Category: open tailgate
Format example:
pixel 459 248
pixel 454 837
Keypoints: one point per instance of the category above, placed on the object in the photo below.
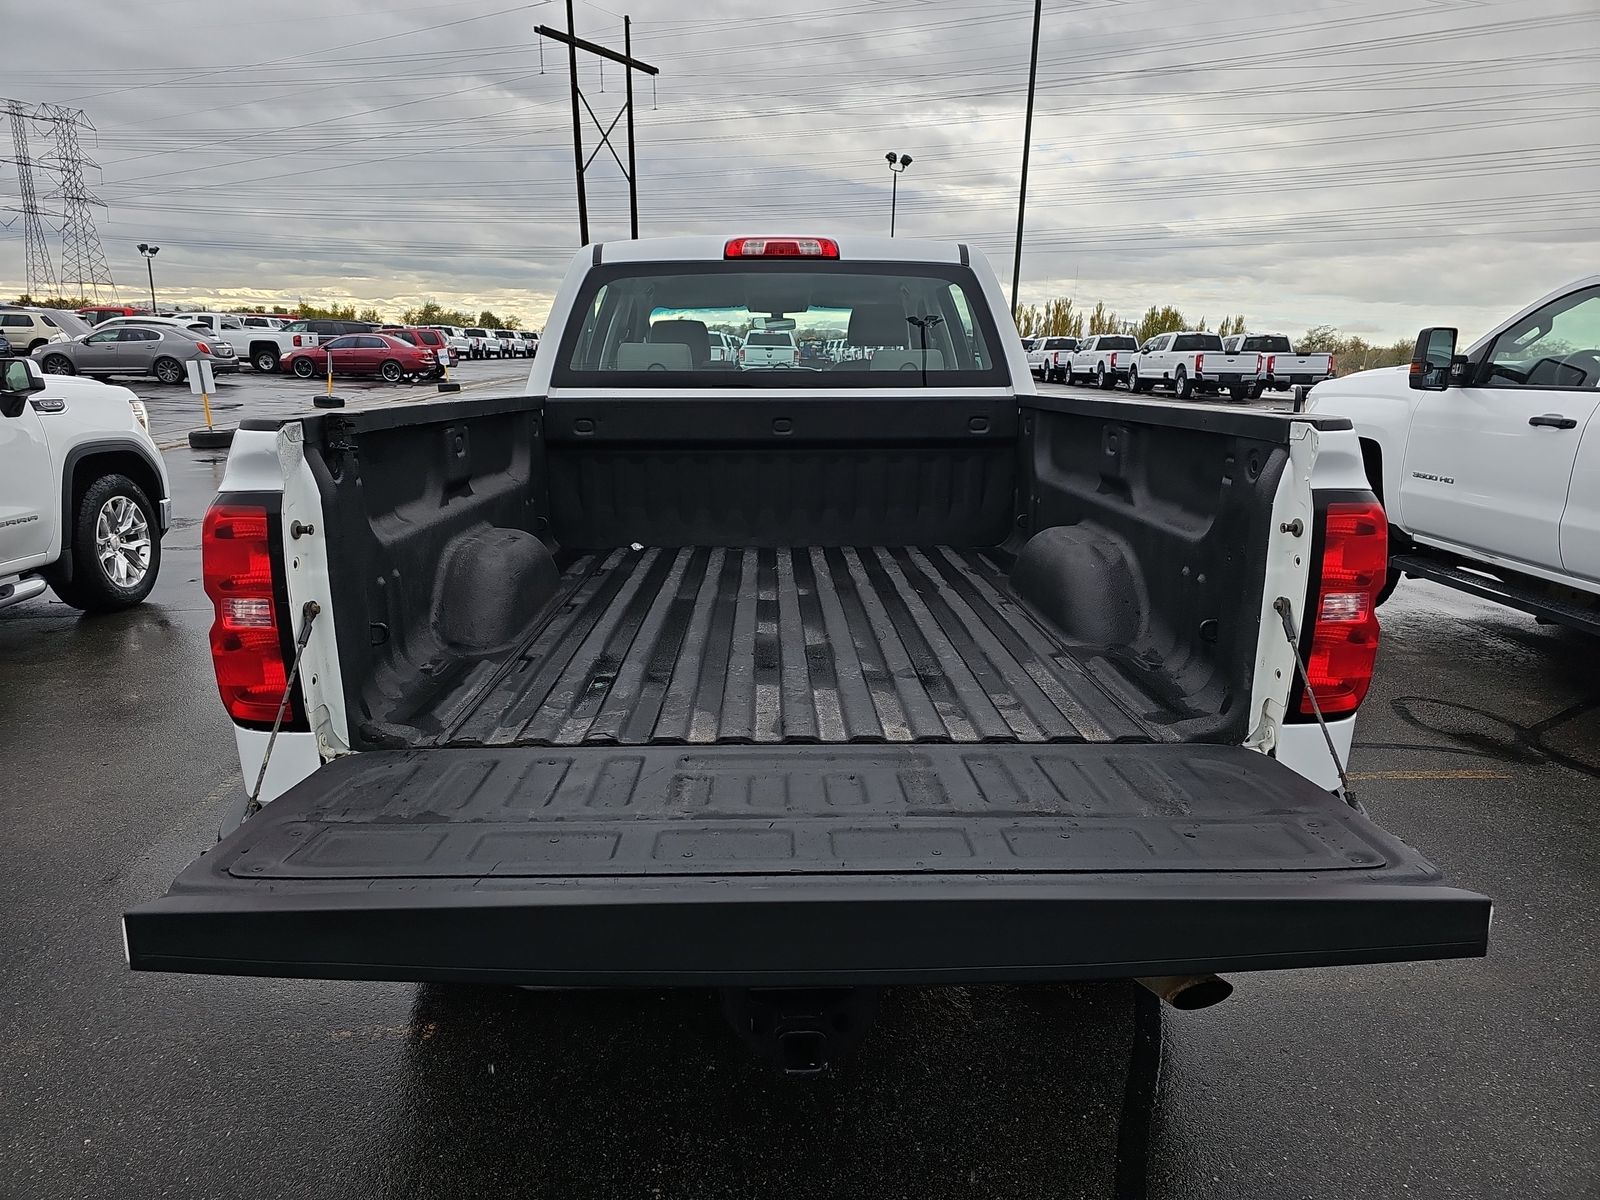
pixel 748 865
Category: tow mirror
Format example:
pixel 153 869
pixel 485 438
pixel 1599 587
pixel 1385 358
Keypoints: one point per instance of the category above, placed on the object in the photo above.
pixel 22 379
pixel 1434 365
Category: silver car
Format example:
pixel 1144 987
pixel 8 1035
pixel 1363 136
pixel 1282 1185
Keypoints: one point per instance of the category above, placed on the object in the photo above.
pixel 159 350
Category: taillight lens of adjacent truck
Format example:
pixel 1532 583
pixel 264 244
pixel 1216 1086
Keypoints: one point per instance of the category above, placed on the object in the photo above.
pixel 1272 361
pixel 249 637
pixel 1199 363
pixel 1343 640
pixel 1333 365
pixel 1113 360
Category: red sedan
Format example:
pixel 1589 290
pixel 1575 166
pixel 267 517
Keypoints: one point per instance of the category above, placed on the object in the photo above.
pixel 381 354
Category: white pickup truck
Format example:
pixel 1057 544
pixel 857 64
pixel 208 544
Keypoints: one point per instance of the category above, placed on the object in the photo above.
pixel 260 345
pixel 667 674
pixel 84 498
pixel 1281 368
pixel 1048 359
pixel 1103 359
pixel 1488 463
pixel 1190 362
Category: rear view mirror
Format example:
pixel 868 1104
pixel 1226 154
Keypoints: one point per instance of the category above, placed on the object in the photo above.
pixel 1432 360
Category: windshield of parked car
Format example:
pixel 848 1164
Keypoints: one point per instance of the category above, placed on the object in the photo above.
pixel 865 324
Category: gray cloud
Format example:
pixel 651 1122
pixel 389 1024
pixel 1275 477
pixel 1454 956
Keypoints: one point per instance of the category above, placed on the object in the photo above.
pixel 1361 163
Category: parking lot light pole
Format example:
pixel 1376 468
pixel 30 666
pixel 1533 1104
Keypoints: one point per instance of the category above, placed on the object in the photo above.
pixel 897 164
pixel 150 253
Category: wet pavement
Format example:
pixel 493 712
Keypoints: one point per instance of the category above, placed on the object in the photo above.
pixel 1480 743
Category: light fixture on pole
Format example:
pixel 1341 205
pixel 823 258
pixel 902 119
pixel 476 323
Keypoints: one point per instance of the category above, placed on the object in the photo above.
pixel 150 253
pixel 897 164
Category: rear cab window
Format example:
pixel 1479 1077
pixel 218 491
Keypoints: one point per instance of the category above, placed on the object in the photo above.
pixel 1198 341
pixel 897 325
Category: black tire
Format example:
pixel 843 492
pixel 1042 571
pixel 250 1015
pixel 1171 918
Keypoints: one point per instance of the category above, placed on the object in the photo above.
pixel 92 587
pixel 57 364
pixel 168 371
pixel 1100 376
pixel 1135 385
pixel 1258 391
pixel 303 368
pixel 390 371
pixel 1182 386
pixel 1391 581
pixel 265 359
pixel 1239 395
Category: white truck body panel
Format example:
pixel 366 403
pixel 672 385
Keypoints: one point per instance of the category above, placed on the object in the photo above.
pixel 1462 470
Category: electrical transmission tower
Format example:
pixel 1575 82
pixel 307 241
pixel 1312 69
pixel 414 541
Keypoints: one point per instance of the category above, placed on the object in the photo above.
pixel 41 276
pixel 83 262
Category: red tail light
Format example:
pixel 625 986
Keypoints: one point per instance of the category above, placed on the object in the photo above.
pixel 1344 624
pixel 297 339
pixel 246 641
pixel 203 348
pixel 1113 360
pixel 1333 363
pixel 1199 363
pixel 1272 361
pixel 1258 364
pixel 755 247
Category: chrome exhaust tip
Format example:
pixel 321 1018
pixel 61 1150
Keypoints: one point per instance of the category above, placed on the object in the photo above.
pixel 1188 992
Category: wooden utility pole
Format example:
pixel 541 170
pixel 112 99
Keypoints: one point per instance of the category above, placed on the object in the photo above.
pixel 574 43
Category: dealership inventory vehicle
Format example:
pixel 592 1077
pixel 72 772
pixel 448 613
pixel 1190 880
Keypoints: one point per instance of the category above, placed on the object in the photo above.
pixel 314 330
pixel 1049 357
pixel 1190 362
pixel 84 499
pixel 24 330
pixel 511 346
pixel 1281 368
pixel 152 347
pixel 483 343
pixel 262 346
pixel 389 357
pixel 768 348
pixel 1488 462
pixel 1102 359
pixel 529 340
pixel 896 672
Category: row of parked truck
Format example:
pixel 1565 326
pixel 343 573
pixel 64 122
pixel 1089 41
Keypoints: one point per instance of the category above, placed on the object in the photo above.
pixel 1245 365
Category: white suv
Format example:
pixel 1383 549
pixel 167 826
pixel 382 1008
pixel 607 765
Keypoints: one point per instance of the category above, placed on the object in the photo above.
pixel 26 330
pixel 84 497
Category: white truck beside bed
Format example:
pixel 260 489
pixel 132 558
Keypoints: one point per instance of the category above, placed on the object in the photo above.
pixel 1488 462
pixel 84 497
pixel 918 673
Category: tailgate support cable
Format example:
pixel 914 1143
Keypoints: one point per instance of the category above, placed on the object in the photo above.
pixel 308 615
pixel 1284 610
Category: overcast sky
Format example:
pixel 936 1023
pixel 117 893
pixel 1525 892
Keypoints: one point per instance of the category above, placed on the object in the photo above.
pixel 1372 164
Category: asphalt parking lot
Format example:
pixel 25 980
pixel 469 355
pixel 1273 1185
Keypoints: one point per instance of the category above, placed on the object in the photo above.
pixel 1480 743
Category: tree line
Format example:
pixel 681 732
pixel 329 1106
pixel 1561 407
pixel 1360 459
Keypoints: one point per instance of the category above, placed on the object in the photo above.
pixel 1061 317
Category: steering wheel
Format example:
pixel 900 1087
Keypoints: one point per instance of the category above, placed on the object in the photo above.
pixel 1587 361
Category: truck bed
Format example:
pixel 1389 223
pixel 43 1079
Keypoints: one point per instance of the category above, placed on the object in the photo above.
pixel 797 644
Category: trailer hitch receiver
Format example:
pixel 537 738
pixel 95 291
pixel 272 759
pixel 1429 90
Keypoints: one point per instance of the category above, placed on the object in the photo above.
pixel 801 1031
